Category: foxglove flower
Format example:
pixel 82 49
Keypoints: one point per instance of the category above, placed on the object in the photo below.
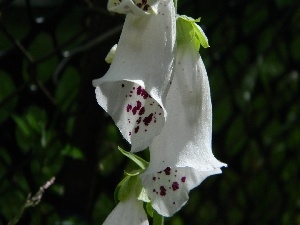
pixel 128 212
pixel 134 89
pixel 181 156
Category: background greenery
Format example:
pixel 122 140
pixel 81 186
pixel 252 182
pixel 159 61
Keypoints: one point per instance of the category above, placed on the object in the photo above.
pixel 51 125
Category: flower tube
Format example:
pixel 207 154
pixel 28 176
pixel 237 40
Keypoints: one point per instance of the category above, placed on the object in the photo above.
pixel 181 156
pixel 134 89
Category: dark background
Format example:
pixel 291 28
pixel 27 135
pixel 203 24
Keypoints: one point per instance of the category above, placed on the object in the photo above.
pixel 51 124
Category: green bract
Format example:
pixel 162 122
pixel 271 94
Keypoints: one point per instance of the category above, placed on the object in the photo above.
pixel 138 160
pixel 131 182
pixel 188 30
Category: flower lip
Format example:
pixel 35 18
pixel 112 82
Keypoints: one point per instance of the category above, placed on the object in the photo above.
pixel 168 189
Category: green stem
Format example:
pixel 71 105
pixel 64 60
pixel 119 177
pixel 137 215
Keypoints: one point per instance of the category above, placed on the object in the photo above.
pixel 157 219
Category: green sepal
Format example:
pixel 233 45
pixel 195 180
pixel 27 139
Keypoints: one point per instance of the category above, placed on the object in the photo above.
pixel 129 184
pixel 127 187
pixel 141 191
pixel 149 209
pixel 138 160
pixel 117 190
pixel 133 173
pixel 188 31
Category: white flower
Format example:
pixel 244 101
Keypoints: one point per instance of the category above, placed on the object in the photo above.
pixel 181 156
pixel 134 89
pixel 128 212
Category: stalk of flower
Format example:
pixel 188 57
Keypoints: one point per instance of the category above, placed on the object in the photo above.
pixel 134 89
pixel 181 156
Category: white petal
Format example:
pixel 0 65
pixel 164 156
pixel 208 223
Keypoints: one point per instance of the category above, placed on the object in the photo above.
pixel 143 60
pixel 138 116
pixel 135 7
pixel 184 144
pixel 185 139
pixel 128 212
pixel 168 189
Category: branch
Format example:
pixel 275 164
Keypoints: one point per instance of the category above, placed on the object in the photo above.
pixel 32 201
pixel 70 54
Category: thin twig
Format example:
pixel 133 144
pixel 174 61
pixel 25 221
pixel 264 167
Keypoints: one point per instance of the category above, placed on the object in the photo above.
pixel 57 49
pixel 32 201
pixel 69 55
pixel 46 92
pixel 17 43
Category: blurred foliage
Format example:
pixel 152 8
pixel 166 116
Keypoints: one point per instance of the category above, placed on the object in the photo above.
pixel 51 125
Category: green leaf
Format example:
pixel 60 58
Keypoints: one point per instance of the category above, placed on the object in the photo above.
pixel 21 123
pixel 73 152
pixel 149 209
pixel 138 160
pixel 7 87
pixel 67 89
pixel 117 190
pixel 157 219
pixel 188 31
pixel 126 188
pixel 133 173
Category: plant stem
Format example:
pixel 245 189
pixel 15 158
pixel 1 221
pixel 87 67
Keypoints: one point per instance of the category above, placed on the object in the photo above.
pixel 157 219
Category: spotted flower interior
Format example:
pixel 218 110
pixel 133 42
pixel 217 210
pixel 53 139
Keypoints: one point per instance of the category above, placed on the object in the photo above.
pixel 131 6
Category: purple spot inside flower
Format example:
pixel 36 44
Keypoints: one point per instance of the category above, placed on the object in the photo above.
pixel 138 105
pixel 123 85
pixel 175 186
pixel 139 120
pixel 136 129
pixel 139 90
pixel 162 191
pixel 148 119
pixel 142 111
pixel 134 110
pixel 168 171
pixel 129 107
pixel 183 179
pixel 153 178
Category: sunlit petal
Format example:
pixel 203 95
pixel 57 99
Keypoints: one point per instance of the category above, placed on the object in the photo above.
pixel 134 89
pixel 183 148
